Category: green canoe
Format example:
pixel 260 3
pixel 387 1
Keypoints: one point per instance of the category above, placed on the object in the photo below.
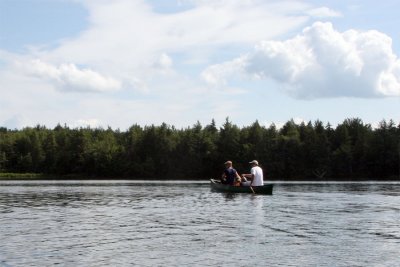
pixel 261 190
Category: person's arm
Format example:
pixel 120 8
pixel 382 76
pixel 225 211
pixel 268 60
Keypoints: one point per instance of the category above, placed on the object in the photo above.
pixel 238 176
pixel 223 176
pixel 253 175
pixel 248 175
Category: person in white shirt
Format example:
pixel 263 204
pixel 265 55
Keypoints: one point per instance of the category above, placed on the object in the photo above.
pixel 255 176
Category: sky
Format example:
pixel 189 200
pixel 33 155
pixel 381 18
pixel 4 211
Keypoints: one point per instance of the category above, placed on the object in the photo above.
pixel 102 63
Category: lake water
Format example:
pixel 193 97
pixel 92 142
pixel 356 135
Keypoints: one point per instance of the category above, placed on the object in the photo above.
pixel 123 223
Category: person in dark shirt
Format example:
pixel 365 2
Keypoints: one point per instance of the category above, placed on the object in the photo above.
pixel 230 174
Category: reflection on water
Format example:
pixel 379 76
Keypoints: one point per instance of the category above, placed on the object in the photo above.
pixel 169 224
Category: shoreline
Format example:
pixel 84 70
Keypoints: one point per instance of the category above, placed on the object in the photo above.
pixel 55 177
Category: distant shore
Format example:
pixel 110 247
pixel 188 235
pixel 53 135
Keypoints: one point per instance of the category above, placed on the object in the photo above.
pixel 42 176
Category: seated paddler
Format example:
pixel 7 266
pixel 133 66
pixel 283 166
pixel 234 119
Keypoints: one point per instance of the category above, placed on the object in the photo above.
pixel 230 175
pixel 255 176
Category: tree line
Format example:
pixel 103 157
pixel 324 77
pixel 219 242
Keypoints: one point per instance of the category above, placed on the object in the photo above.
pixel 305 151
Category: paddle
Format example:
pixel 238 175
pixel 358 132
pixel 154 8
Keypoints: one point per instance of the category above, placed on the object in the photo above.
pixel 252 189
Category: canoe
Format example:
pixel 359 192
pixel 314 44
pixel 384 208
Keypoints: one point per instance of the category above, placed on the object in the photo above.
pixel 216 185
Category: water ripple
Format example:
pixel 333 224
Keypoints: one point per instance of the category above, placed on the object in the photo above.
pixel 174 224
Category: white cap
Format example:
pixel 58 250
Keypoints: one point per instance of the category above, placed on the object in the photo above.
pixel 254 162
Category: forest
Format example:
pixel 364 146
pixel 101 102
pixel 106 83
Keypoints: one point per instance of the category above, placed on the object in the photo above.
pixel 352 150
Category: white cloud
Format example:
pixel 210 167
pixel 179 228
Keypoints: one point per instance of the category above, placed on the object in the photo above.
pixel 137 34
pixel 151 62
pixel 128 44
pixel 215 75
pixel 321 62
pixel 69 77
pixel 16 121
pixel 165 61
pixel 93 123
pixel 323 12
pixel 163 64
pixel 280 124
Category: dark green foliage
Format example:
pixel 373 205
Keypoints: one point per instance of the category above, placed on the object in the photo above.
pixel 353 150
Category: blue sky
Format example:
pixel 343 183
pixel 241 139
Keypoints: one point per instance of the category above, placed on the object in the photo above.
pixel 117 63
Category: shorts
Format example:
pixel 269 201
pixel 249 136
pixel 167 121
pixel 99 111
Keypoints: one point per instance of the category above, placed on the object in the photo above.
pixel 246 183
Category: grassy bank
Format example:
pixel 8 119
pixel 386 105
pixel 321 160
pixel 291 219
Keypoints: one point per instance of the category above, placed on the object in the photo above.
pixel 24 176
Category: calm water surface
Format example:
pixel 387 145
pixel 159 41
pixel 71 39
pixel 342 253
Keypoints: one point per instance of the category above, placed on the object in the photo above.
pixel 185 224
